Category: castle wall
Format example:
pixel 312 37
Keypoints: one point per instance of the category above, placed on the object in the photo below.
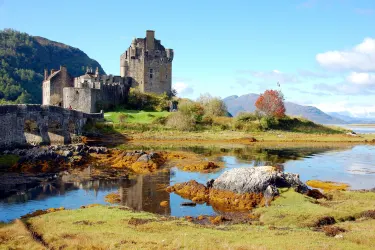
pixel 149 64
pixel 82 99
pixel 53 87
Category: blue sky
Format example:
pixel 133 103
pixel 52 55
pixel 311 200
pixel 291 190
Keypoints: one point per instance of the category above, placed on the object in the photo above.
pixel 321 51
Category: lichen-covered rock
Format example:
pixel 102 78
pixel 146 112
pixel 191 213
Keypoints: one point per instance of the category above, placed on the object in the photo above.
pixel 264 179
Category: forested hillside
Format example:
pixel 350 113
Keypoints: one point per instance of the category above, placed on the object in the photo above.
pixel 23 59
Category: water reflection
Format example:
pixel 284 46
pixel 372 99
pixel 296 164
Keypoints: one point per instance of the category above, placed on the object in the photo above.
pixel 350 164
pixel 145 192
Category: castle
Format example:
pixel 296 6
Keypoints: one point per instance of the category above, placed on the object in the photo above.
pixel 145 65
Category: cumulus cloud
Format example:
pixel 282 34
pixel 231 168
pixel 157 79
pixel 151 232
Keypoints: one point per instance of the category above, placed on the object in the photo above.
pixel 361 78
pixel 360 58
pixel 183 89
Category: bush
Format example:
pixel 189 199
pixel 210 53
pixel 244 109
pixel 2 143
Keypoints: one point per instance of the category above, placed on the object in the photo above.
pixel 190 108
pixel 160 120
pixel 181 121
pixel 224 123
pixel 267 122
pixel 246 117
pixel 213 106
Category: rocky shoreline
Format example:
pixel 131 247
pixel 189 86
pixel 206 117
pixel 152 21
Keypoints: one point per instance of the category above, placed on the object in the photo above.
pixel 16 179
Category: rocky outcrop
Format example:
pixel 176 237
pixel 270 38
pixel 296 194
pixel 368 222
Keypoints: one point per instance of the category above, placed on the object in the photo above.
pixel 264 179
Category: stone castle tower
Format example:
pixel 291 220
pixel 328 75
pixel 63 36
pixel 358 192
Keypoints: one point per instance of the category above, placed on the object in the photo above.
pixel 149 64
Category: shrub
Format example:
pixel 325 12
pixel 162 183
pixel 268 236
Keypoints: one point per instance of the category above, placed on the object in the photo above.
pixel 268 122
pixel 160 120
pixel 223 122
pixel 207 120
pixel 193 109
pixel 181 121
pixel 246 117
pixel 213 106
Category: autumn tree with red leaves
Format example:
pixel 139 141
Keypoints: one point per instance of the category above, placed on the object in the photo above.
pixel 271 103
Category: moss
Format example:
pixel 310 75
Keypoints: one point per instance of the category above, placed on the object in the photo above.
pixel 164 203
pixel 202 166
pixel 113 198
pixel 327 185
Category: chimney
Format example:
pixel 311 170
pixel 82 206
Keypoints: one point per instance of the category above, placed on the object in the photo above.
pixel 150 36
pixel 45 74
pixel 97 72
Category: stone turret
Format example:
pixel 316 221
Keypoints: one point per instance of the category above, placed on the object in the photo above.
pixel 148 64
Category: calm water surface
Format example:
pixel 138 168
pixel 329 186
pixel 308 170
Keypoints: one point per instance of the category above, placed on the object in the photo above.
pixel 354 165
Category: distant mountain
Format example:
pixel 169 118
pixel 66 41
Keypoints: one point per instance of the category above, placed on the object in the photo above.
pixel 347 117
pixel 23 59
pixel 246 103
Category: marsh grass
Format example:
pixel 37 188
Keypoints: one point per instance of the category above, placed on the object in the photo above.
pixel 296 210
pixel 103 227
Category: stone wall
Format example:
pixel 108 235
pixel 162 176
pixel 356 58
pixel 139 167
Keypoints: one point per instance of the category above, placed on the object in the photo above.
pixel 82 99
pixel 53 86
pixel 22 125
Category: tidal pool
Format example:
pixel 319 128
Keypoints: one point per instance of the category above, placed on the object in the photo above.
pixel 354 165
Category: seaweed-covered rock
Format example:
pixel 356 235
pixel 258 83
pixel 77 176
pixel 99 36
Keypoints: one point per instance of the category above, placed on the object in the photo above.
pixel 264 179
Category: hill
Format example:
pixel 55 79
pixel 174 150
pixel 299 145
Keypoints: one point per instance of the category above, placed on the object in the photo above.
pixel 23 59
pixel 246 103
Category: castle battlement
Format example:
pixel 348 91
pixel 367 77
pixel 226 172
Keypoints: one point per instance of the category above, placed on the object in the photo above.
pixel 149 64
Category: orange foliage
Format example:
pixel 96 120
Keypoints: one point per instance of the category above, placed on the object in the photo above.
pixel 271 102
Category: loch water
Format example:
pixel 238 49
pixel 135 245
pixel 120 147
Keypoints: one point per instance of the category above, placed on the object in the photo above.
pixel 352 164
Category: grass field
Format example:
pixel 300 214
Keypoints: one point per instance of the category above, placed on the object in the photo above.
pixel 135 116
pixel 286 224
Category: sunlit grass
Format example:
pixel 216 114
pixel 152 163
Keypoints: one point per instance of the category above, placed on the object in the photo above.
pixel 134 116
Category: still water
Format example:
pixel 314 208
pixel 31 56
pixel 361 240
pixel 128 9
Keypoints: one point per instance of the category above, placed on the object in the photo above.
pixel 354 165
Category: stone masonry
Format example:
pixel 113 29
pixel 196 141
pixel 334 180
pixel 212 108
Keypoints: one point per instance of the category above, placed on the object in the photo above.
pixel 148 64
pixel 22 125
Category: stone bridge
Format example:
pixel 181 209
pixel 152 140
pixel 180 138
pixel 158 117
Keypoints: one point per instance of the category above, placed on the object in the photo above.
pixel 30 124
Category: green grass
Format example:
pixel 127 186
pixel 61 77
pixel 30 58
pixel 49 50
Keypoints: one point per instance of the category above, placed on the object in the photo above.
pixel 296 210
pixel 103 227
pixel 135 116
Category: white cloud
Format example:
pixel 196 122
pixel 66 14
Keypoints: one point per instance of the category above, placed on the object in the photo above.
pixel 183 89
pixel 361 78
pixel 360 58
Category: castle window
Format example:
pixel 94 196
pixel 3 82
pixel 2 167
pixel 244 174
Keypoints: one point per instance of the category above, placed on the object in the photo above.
pixel 151 73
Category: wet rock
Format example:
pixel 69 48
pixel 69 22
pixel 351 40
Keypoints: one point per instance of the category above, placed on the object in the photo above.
pixel 263 179
pixel 210 183
pixel 98 150
pixel 188 204
pixel 67 153
pixel 316 194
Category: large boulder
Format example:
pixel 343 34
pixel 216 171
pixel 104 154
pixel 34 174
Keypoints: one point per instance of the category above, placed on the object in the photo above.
pixel 264 179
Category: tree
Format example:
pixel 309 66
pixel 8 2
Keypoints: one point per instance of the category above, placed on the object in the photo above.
pixel 271 103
